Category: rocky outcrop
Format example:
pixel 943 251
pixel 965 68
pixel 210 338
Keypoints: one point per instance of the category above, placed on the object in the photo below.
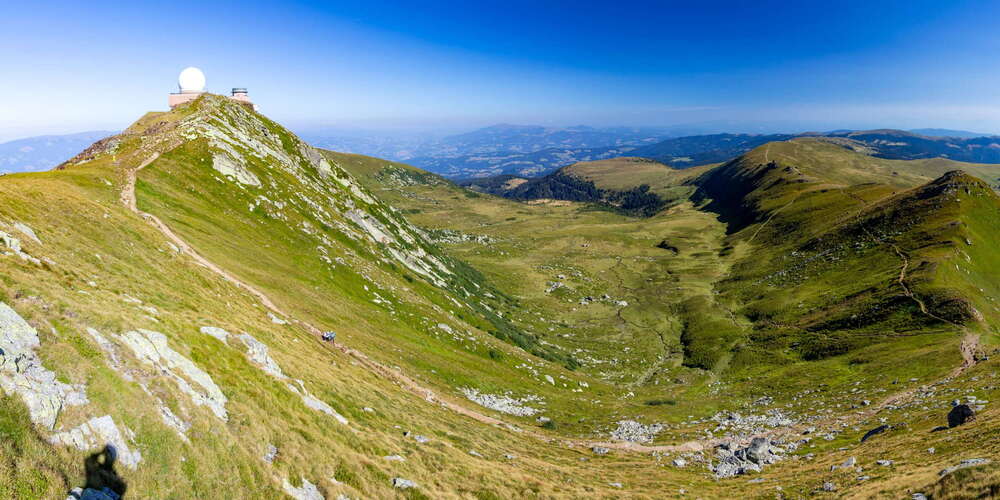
pixel 14 248
pixel 403 484
pixel 258 354
pixel 22 373
pixel 752 458
pixel 95 433
pixel 227 166
pixel 151 347
pixel 116 363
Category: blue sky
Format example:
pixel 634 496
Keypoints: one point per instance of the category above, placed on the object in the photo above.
pixel 451 65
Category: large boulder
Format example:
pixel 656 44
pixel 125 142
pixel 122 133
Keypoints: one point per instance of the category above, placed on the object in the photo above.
pixel 960 414
pixel 760 452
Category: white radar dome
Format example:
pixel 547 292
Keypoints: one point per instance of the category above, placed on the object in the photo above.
pixel 191 80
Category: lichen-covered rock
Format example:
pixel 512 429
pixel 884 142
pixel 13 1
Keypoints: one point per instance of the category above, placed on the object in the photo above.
pixel 96 433
pixel 22 373
pixel 151 347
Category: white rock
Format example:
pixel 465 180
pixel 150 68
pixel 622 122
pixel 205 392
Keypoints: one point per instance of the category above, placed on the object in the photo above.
pixel 218 333
pixel 315 403
pixel 151 348
pixel 95 433
pixel 27 231
pixel 500 403
pixel 403 484
pixel 307 491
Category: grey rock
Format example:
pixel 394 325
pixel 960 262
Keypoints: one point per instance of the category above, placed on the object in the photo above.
pixel 22 372
pixel 271 454
pixel 884 463
pixel 503 403
pixel 752 458
pixel 315 403
pixel 635 432
pixel 258 354
pixel 964 464
pixel 403 484
pixel 27 231
pixel 828 486
pixel 598 450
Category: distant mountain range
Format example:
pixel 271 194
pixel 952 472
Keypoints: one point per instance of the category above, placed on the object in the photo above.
pixel 500 149
pixel 44 152
pixel 534 151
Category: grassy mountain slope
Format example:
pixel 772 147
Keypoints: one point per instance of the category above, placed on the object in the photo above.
pixel 834 231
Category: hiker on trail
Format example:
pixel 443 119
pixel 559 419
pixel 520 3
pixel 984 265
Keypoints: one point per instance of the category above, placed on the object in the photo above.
pixel 329 336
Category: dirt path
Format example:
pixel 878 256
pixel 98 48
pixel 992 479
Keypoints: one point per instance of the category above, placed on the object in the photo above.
pixel 769 219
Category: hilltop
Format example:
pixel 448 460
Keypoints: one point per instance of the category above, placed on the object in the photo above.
pixel 166 290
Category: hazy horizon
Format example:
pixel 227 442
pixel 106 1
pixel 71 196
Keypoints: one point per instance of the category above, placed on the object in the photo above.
pixel 443 68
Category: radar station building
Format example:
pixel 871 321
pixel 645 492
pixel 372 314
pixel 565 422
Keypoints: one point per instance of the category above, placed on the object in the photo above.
pixel 191 85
